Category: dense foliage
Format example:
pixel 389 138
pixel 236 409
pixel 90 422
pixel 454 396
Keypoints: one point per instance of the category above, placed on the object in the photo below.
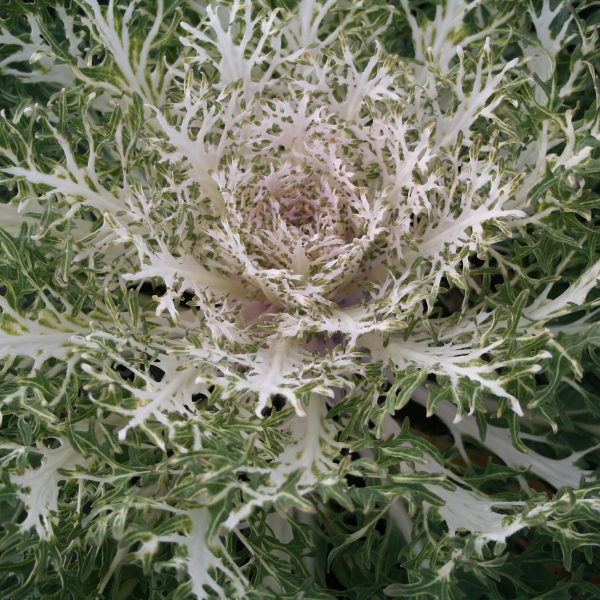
pixel 298 300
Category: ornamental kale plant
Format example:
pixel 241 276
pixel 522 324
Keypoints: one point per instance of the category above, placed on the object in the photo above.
pixel 299 299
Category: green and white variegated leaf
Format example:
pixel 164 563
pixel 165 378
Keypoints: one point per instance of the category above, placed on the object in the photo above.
pixel 298 299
